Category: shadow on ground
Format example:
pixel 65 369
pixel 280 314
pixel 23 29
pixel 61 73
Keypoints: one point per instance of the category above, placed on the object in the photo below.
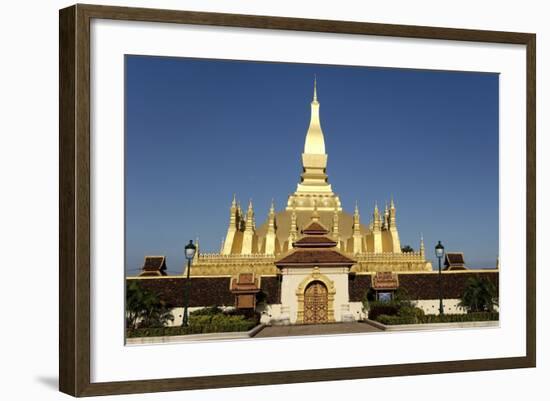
pixel 49 381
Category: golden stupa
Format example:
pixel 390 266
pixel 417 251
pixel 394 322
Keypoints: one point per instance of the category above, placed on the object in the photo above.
pixel 247 248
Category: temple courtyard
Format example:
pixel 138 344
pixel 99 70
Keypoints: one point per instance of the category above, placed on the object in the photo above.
pixel 316 329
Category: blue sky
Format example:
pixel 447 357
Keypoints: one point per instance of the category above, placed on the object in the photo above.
pixel 198 131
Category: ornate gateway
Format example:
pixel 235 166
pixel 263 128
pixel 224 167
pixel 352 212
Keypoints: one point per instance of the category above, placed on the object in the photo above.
pixel 316 303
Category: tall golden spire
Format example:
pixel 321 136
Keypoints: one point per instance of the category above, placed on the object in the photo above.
pixel 315 140
pixel 314 184
pixel 315 88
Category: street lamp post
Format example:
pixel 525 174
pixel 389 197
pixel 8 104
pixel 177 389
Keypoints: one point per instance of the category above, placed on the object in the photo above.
pixel 189 255
pixel 439 252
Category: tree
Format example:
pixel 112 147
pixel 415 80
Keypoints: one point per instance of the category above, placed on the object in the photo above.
pixel 480 295
pixel 143 309
pixel 407 249
pixel 368 297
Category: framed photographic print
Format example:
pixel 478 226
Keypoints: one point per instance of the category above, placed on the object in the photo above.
pixel 205 230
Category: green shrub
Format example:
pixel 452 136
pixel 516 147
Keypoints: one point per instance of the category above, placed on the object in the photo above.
pixel 391 320
pixel 416 315
pixel 377 308
pixel 411 311
pixel 456 318
pixel 208 311
pixel 217 323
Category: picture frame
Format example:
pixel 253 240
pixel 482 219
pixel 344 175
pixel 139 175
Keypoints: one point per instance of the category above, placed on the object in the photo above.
pixel 75 170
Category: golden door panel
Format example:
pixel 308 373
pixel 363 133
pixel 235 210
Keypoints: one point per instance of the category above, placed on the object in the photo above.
pixel 316 303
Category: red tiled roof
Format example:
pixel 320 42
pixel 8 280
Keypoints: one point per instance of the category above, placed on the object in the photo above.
pixel 314 241
pixel 154 263
pixel 454 261
pixel 315 228
pixel 315 257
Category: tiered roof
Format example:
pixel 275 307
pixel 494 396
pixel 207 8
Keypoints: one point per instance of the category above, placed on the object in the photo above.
pixel 315 249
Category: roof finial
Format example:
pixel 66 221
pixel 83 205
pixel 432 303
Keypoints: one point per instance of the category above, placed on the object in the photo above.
pixel 315 87
pixel 315 215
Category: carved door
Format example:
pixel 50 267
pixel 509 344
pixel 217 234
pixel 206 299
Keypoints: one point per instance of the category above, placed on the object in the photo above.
pixel 316 303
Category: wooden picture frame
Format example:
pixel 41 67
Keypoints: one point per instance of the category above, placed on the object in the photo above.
pixel 74 203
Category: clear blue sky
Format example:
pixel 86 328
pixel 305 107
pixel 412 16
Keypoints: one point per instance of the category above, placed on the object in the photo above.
pixel 198 131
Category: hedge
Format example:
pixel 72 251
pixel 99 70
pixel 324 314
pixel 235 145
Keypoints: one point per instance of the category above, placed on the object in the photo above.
pixel 390 320
pixel 198 323
pixel 467 317
pixel 378 308
pixel 423 319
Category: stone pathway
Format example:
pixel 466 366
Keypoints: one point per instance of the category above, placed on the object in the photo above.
pixel 316 329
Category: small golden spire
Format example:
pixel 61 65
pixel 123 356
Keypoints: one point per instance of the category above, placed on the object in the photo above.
pixel 315 215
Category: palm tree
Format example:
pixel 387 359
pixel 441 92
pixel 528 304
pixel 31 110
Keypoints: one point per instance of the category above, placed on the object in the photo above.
pixel 480 295
pixel 143 309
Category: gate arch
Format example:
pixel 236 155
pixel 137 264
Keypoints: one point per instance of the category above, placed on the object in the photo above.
pixel 317 279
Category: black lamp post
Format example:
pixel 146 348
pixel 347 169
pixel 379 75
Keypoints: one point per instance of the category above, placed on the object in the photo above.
pixel 439 252
pixel 189 255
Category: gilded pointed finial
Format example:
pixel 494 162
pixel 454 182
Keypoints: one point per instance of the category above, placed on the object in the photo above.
pixel 376 207
pixel 272 207
pixel 315 215
pixel 392 205
pixel 356 208
pixel 234 201
pixel 315 87
pixel 250 204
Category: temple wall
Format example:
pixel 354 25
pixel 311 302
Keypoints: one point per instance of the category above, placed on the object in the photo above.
pixel 422 288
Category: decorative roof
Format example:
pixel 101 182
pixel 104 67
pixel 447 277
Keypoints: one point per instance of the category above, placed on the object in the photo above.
pixel 245 283
pixel 315 228
pixel 455 261
pixel 154 266
pixel 315 241
pixel 315 249
pixel 315 257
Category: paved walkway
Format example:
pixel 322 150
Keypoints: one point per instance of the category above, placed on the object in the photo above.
pixel 316 329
